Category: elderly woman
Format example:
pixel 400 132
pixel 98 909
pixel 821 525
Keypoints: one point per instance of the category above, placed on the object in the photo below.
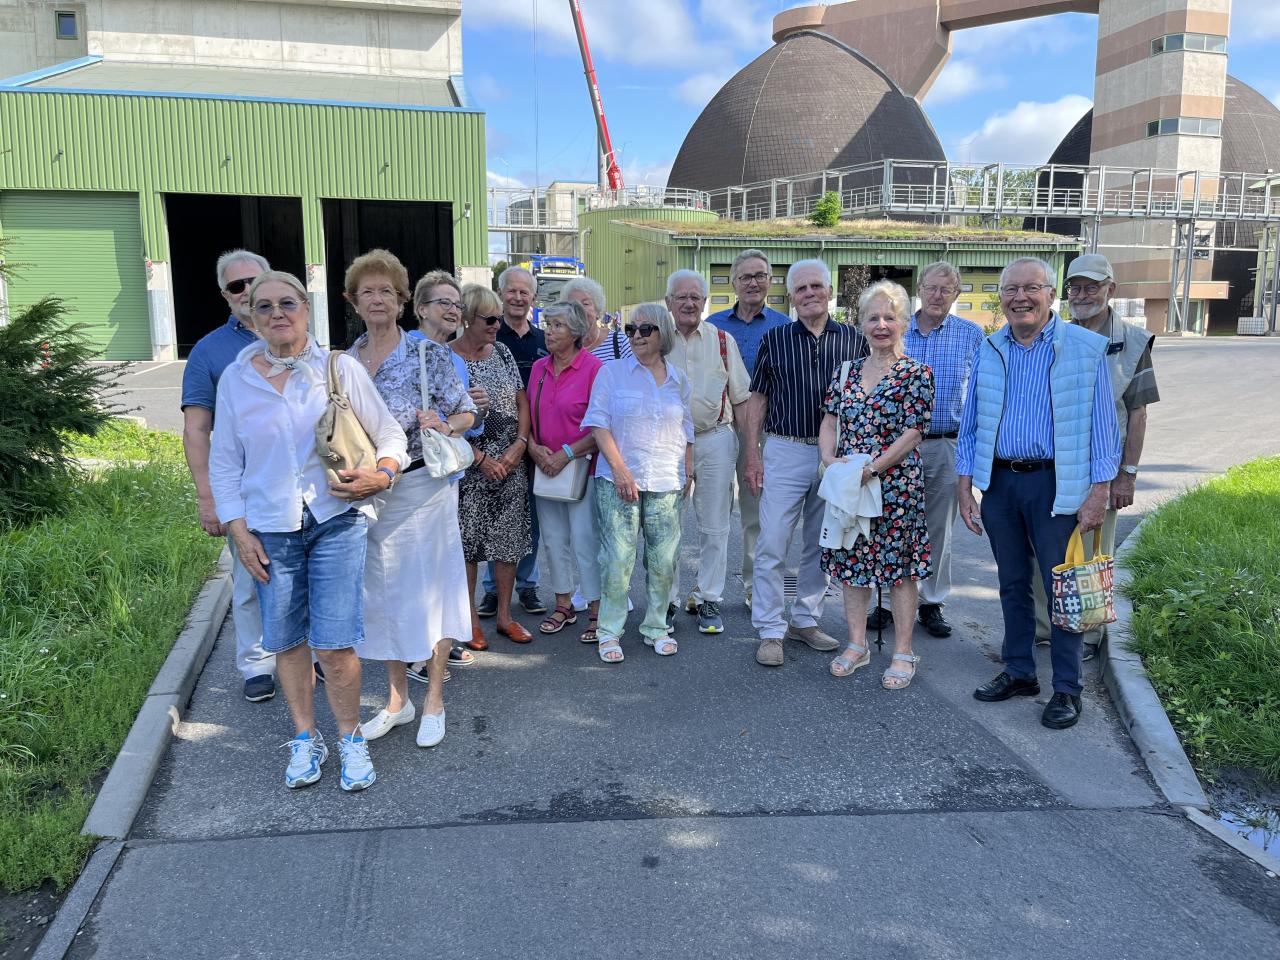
pixel 881 408
pixel 602 340
pixel 413 602
pixel 493 497
pixel 559 390
pixel 300 536
pixel 639 414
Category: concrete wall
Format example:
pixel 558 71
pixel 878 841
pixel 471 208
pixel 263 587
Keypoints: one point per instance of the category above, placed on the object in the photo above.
pixel 27 38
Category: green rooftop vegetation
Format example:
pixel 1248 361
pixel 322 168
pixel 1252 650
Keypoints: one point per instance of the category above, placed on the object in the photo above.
pixel 851 230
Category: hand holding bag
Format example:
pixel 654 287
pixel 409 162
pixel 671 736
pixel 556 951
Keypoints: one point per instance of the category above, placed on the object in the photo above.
pixel 441 456
pixel 1083 591
pixel 570 484
pixel 341 440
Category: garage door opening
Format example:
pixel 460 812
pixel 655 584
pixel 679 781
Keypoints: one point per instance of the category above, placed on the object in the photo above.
pixel 420 233
pixel 201 228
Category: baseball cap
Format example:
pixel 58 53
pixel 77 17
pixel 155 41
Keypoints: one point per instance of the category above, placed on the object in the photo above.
pixel 1092 265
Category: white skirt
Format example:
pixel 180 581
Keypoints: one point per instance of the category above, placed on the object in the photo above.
pixel 415 592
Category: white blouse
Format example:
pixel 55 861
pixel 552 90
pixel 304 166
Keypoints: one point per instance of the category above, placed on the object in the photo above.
pixel 263 464
pixel 651 424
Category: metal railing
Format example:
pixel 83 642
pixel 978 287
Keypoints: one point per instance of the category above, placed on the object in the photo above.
pixel 555 210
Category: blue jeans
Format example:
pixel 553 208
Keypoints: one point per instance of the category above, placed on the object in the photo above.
pixel 620 524
pixel 316 590
pixel 1016 514
pixel 527 568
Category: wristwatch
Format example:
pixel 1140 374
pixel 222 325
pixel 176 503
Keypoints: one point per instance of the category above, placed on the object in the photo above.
pixel 391 476
pixel 1130 469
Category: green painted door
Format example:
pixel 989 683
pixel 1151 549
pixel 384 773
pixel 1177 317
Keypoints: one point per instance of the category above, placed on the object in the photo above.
pixel 87 249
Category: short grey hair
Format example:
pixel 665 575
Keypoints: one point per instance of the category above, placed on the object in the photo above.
pixel 888 291
pixel 660 316
pixel 571 312
pixel 941 266
pixel 743 257
pixel 235 256
pixel 593 290
pixel 680 275
pixel 505 277
pixel 1050 277
pixel 804 265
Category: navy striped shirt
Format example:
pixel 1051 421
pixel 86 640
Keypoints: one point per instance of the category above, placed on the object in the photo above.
pixel 794 368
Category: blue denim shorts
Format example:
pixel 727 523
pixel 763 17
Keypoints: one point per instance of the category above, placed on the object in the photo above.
pixel 316 591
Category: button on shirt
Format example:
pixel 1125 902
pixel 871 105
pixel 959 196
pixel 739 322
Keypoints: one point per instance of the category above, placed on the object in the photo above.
pixel 750 334
pixel 717 381
pixel 263 464
pixel 1026 422
pixel 211 355
pixel 794 369
pixel 558 401
pixel 526 349
pixel 949 351
pixel 651 424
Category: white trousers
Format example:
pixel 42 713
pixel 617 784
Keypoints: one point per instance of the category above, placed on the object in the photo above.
pixel 251 659
pixel 571 542
pixel 715 453
pixel 940 509
pixel 790 495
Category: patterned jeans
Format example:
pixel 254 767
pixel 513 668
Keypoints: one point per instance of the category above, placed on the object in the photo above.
pixel 658 514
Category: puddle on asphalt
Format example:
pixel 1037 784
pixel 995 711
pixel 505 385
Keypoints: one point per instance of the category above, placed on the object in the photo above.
pixel 1251 812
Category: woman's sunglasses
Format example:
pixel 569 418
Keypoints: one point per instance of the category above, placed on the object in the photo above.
pixel 491 321
pixel 644 330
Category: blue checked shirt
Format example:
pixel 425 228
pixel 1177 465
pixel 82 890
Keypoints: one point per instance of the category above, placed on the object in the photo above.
pixel 1026 423
pixel 950 352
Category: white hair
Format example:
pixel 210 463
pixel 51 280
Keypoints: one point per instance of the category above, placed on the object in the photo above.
pixel 235 256
pixel 941 266
pixel 593 290
pixel 804 265
pixel 1050 277
pixel 506 275
pixel 743 257
pixel 680 275
pixel 659 316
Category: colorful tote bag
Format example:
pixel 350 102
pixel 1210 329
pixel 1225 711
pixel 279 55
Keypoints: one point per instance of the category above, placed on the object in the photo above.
pixel 1083 590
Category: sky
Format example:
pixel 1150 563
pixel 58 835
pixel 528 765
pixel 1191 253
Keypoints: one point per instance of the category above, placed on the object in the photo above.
pixel 1008 93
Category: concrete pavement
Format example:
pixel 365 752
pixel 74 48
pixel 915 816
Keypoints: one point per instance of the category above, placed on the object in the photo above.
pixel 704 806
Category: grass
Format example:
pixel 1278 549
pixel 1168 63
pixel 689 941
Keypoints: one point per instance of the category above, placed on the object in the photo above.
pixel 92 601
pixel 1206 592
pixel 852 229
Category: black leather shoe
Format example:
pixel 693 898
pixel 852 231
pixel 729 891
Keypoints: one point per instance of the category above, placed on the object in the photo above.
pixel 488 605
pixel 1062 711
pixel 879 618
pixel 933 620
pixel 1004 686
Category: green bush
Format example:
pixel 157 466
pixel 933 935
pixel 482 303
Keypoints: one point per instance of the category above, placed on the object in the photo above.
pixel 826 212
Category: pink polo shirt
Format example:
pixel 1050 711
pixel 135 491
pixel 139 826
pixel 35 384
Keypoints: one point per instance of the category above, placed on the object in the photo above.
pixel 558 402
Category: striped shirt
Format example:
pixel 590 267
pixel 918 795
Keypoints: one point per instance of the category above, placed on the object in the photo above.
pixel 1026 422
pixel 949 351
pixel 793 370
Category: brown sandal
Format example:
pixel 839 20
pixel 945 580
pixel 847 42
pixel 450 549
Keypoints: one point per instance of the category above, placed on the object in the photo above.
pixel 590 634
pixel 553 625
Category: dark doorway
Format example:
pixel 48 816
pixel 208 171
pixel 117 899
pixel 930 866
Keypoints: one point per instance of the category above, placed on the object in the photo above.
pixel 204 226
pixel 420 233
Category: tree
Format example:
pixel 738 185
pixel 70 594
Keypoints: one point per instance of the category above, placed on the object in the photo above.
pixel 497 271
pixel 826 212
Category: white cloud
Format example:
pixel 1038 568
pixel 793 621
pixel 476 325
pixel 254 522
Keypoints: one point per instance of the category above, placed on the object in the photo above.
pixel 1038 35
pixel 740 21
pixel 960 78
pixel 701 87
pixel 485 88
pixel 499 180
pixel 654 173
pixel 1026 134
pixel 1254 20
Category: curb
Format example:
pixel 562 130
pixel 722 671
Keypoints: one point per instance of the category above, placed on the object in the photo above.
pixel 1139 707
pixel 84 892
pixel 135 765
pixel 1267 861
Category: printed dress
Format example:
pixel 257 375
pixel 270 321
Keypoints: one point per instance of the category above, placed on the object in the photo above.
pixel 898 548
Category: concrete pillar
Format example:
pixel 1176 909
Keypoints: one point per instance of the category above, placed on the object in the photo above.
pixel 480 275
pixel 164 328
pixel 318 294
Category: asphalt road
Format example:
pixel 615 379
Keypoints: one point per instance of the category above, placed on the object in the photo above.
pixel 703 806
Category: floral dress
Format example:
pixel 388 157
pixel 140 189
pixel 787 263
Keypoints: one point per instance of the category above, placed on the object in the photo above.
pixel 898 548
pixel 495 516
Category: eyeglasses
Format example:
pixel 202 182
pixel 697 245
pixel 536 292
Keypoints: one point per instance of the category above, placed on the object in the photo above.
pixel 1030 289
pixel 288 306
pixel 555 325
pixel 689 298
pixel 238 286
pixel 931 291
pixel 444 302
pixel 491 321
pixel 1088 289
pixel 753 277
pixel 386 293
pixel 645 329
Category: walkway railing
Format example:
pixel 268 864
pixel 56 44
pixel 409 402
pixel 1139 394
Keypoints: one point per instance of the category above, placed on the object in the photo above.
pixel 556 210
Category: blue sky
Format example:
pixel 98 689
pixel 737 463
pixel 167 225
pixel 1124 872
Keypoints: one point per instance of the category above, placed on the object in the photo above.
pixel 658 62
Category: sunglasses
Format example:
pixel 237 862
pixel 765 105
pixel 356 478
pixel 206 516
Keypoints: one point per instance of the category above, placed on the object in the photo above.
pixel 644 330
pixel 491 321
pixel 288 306
pixel 237 286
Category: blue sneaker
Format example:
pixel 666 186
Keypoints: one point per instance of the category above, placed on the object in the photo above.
pixel 357 767
pixel 709 620
pixel 306 754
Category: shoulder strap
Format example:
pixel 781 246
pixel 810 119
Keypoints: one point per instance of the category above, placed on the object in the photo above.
pixel 537 403
pixel 617 350
pixel 335 382
pixel 724 359
pixel 422 371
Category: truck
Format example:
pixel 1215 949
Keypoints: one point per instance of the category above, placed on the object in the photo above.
pixel 550 274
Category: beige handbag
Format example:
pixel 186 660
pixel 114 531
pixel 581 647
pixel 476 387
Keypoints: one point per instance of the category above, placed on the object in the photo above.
pixel 441 456
pixel 570 484
pixel 341 441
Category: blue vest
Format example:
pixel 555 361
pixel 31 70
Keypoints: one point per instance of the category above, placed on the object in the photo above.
pixel 1072 377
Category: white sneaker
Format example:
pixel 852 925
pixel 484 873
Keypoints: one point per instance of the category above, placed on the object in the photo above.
pixel 357 767
pixel 578 602
pixel 306 753
pixel 383 722
pixel 431 729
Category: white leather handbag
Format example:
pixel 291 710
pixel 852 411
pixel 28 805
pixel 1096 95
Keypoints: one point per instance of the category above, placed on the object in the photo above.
pixel 441 456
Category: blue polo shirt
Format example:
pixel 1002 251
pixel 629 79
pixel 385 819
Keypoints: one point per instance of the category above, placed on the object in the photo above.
pixel 750 334
pixel 212 354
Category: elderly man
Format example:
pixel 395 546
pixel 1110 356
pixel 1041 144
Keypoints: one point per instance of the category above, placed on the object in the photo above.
pixel 793 369
pixel 1038 436
pixel 1090 287
pixel 236 270
pixel 720 386
pixel 948 345
pixel 747 321
pixel 516 288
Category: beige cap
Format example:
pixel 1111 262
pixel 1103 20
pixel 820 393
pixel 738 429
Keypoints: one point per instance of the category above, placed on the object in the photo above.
pixel 1092 265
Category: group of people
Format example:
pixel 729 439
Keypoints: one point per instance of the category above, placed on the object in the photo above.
pixel 586 440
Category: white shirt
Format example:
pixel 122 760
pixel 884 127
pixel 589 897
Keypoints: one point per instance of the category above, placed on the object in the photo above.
pixel 263 464
pixel 651 424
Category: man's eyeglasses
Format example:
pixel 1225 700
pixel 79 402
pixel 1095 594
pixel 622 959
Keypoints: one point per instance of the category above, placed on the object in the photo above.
pixel 753 277
pixel 238 286
pixel 688 298
pixel 1088 289
pixel 445 302
pixel 491 321
pixel 645 330
pixel 288 306
pixel 1031 289
pixel 931 291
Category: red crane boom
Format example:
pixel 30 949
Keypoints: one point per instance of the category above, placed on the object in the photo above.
pixel 612 173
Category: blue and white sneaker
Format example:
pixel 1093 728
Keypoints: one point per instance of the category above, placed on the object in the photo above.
pixel 357 767
pixel 306 753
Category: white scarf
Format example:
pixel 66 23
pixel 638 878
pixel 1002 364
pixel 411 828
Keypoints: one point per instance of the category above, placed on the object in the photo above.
pixel 302 361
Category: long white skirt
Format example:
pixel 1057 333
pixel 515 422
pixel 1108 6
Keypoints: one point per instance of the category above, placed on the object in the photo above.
pixel 415 592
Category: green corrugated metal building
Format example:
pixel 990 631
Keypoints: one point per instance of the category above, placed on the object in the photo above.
pixel 118 193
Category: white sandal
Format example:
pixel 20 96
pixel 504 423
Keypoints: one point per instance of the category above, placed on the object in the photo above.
pixel 606 646
pixel 898 679
pixel 663 646
pixel 851 658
